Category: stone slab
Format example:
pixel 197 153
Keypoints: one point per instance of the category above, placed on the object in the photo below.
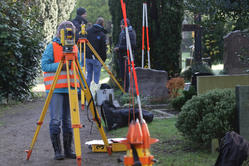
pixel 152 83
pixel 236 45
pixel 206 83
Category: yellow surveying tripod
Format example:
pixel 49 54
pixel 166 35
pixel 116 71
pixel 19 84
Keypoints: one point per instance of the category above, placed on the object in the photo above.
pixel 85 42
pixel 80 42
pixel 71 57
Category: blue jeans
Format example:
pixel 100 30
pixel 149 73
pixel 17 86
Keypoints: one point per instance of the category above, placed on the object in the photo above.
pixel 93 67
pixel 59 110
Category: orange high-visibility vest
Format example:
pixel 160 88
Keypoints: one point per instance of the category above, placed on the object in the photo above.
pixel 62 79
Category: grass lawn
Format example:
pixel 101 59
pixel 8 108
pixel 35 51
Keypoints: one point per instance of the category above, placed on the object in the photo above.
pixel 173 149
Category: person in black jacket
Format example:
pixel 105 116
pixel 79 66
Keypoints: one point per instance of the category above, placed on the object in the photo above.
pixel 79 20
pixel 96 36
pixel 121 49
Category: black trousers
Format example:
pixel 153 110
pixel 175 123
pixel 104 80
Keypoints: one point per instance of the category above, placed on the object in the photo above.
pixel 124 72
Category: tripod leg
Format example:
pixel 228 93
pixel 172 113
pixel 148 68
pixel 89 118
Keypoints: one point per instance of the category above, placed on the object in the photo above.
pixel 84 71
pixel 44 110
pixel 82 100
pixel 74 112
pixel 93 109
pixel 106 68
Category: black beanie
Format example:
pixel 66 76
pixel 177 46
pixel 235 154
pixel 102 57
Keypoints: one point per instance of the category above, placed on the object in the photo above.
pixel 81 11
pixel 127 20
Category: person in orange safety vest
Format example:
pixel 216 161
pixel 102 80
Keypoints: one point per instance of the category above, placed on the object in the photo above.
pixel 59 109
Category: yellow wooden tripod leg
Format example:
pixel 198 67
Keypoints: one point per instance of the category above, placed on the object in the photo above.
pixel 106 68
pixel 82 100
pixel 82 92
pixel 44 110
pixel 74 112
pixel 84 71
pixel 93 109
pixel 97 119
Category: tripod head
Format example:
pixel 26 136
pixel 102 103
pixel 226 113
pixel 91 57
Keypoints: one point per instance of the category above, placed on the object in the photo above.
pixel 83 31
pixel 67 39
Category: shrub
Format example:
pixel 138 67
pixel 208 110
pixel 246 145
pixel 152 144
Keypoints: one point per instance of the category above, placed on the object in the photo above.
pixel 190 71
pixel 208 116
pixel 179 101
pixel 174 85
pixel 20 38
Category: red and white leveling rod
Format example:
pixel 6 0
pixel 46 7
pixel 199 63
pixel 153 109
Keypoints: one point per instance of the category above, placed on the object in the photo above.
pixel 138 138
pixel 131 57
pixel 145 21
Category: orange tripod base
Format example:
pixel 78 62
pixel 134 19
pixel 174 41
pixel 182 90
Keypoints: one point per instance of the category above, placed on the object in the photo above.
pixel 78 159
pixel 148 160
pixel 139 140
pixel 28 154
pixel 82 107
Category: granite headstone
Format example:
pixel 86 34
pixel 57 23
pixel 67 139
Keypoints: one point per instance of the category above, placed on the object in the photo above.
pixel 152 83
pixel 236 48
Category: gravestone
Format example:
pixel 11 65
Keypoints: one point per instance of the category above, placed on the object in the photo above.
pixel 152 83
pixel 242 104
pixel 236 47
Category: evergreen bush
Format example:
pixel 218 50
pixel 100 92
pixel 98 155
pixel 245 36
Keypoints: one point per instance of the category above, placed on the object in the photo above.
pixel 94 9
pixel 190 71
pixel 179 101
pixel 51 14
pixel 208 116
pixel 21 48
pixel 24 28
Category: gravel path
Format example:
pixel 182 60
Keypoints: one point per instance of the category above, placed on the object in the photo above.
pixel 17 127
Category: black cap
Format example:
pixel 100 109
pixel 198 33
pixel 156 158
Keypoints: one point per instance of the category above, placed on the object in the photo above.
pixel 127 20
pixel 81 11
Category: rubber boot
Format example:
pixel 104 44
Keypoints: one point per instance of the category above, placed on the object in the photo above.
pixel 55 138
pixel 67 141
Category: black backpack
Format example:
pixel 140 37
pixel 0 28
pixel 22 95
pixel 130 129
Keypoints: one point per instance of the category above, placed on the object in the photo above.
pixel 234 150
pixel 118 117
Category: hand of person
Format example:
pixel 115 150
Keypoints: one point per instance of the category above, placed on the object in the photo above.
pixel 64 67
pixel 125 57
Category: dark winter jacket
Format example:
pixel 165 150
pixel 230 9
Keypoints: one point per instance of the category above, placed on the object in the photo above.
pixel 77 22
pixel 96 36
pixel 122 40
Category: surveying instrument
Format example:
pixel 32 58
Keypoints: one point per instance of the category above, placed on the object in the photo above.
pixel 74 76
